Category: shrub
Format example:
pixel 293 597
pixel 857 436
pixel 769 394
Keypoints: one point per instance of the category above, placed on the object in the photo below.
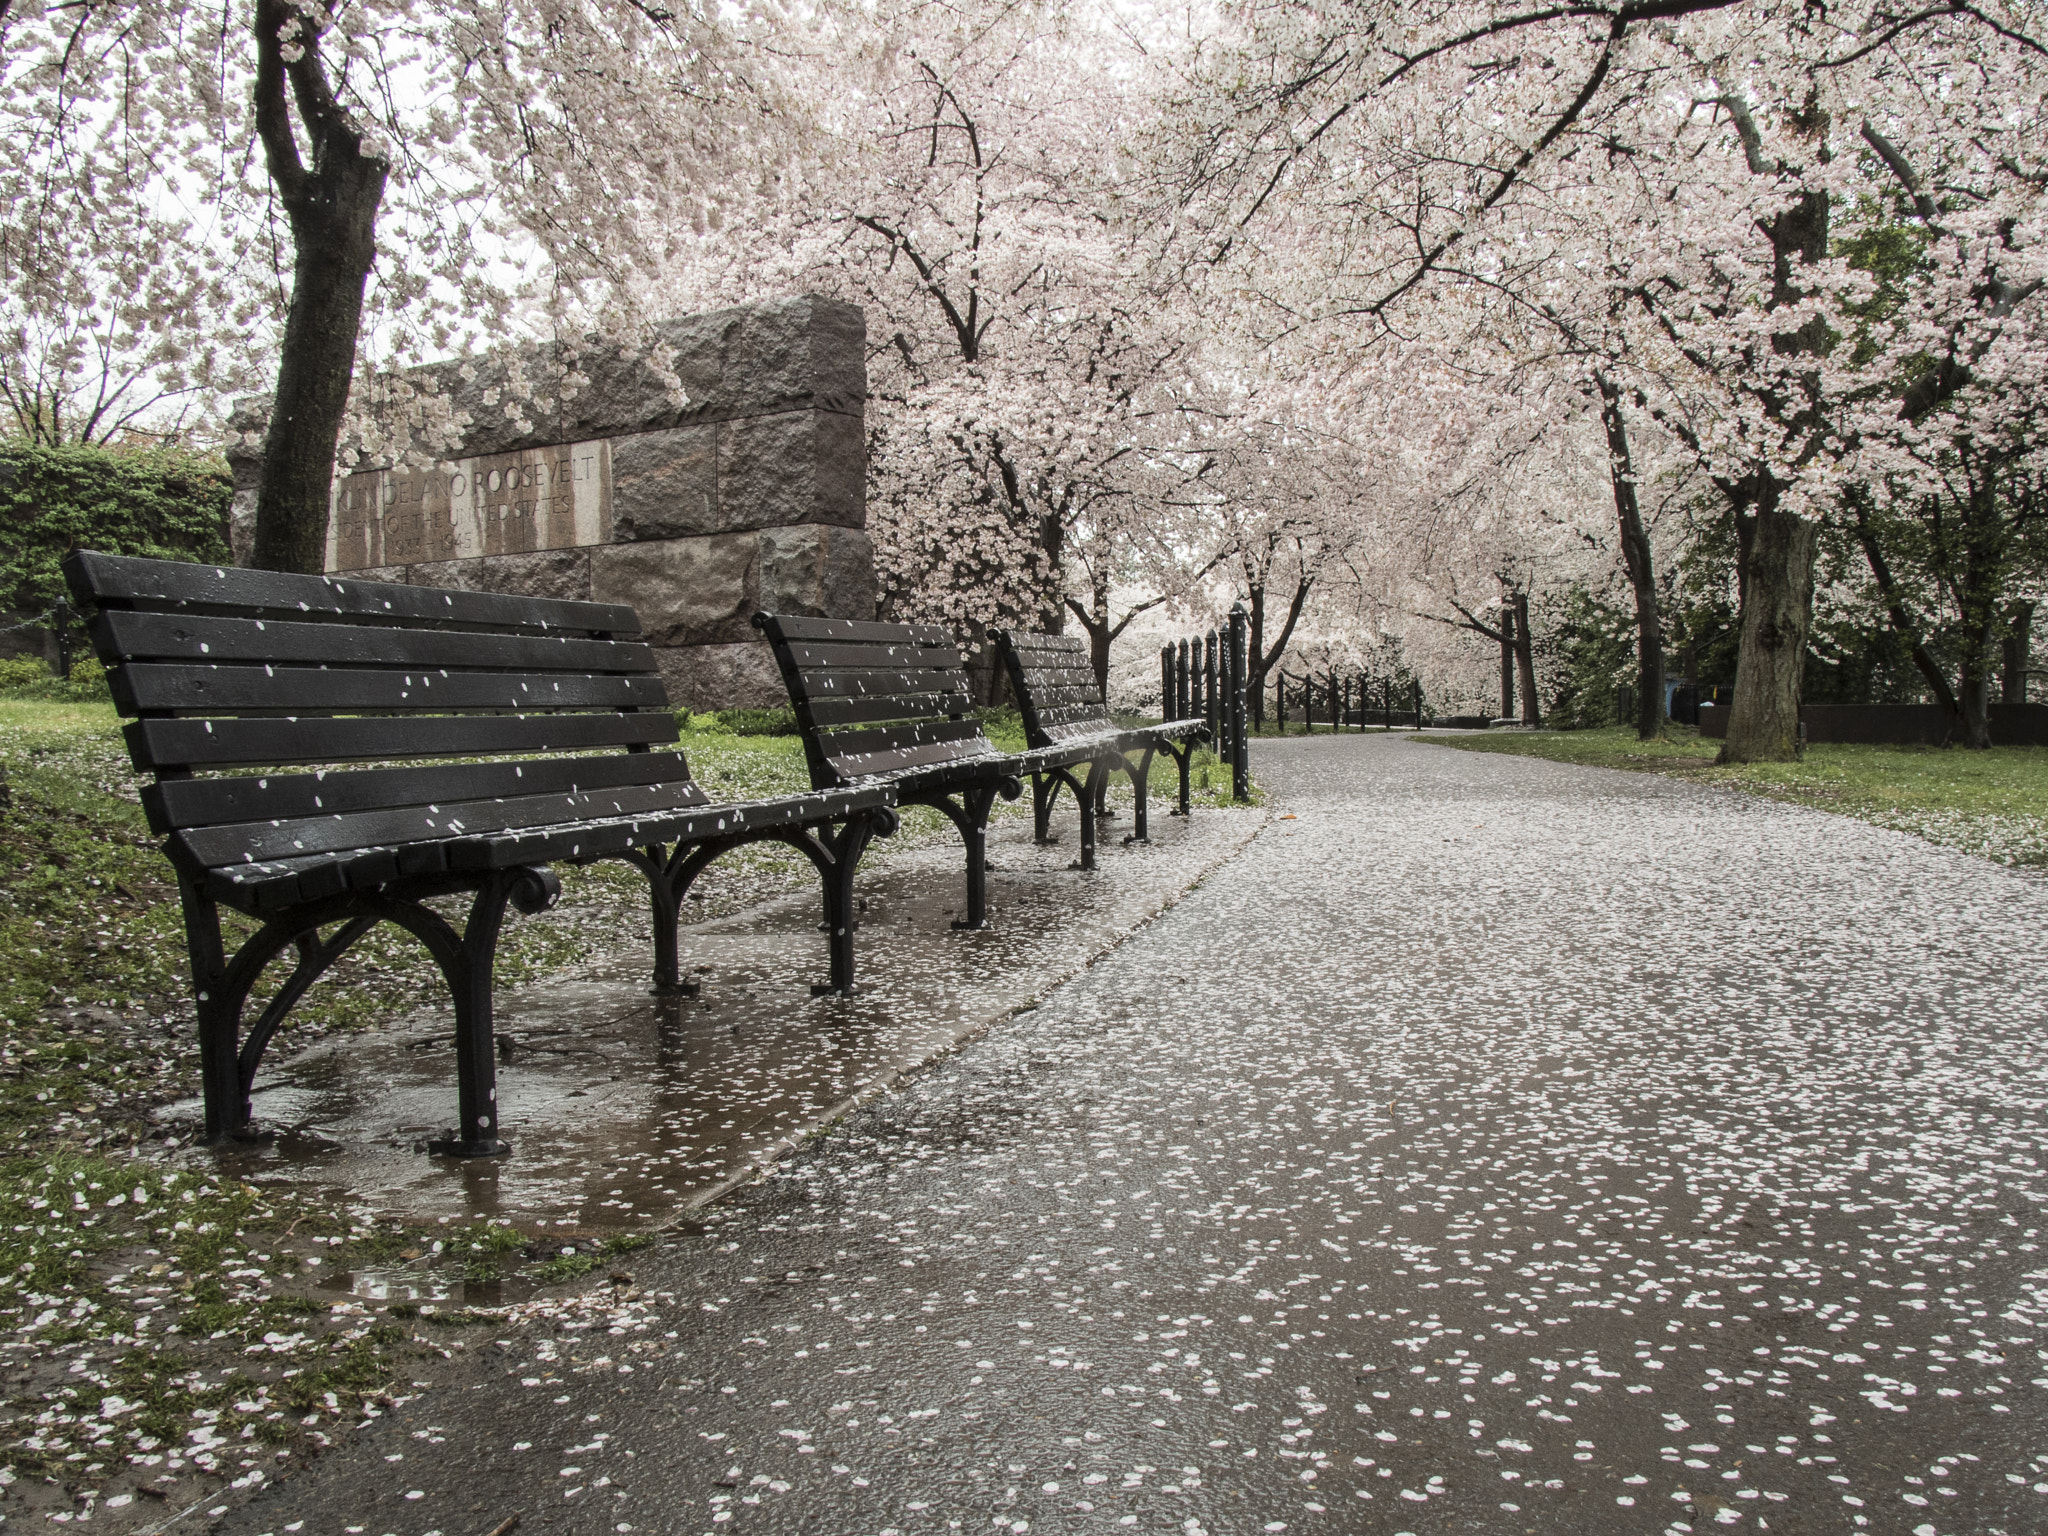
pixel 157 502
pixel 28 677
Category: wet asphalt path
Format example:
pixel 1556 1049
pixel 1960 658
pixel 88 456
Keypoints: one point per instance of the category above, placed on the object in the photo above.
pixel 1496 1146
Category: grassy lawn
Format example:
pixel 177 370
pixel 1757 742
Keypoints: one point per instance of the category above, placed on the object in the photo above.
pixel 1992 804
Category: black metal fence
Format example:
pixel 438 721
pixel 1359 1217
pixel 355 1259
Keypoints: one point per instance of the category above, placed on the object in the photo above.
pixel 1343 701
pixel 1203 678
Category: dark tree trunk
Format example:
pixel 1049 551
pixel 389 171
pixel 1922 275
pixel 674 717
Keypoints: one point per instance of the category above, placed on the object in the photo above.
pixel 1254 656
pixel 1052 604
pixel 2017 651
pixel 1777 613
pixel 332 208
pixel 1507 663
pixel 1636 561
pixel 1974 695
pixel 1985 559
pixel 1901 616
pixel 1525 663
pixel 1777 548
pixel 1262 662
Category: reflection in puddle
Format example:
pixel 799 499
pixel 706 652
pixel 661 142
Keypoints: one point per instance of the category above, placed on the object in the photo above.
pixel 622 1107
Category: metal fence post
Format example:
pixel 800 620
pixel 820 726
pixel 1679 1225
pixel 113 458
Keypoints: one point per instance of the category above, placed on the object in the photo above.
pixel 1240 754
pixel 1180 681
pixel 1166 682
pixel 1208 644
pixel 60 626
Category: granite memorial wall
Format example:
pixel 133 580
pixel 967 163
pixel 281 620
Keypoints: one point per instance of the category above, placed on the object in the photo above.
pixel 730 479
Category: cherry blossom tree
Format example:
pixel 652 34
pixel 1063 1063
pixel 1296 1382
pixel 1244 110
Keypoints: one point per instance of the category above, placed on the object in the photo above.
pixel 1944 419
pixel 1428 141
pixel 479 161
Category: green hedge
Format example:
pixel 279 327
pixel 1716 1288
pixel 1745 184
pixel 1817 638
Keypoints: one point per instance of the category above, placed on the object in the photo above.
pixel 156 502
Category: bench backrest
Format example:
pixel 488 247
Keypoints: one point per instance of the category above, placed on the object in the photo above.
pixel 875 698
pixel 229 670
pixel 1054 681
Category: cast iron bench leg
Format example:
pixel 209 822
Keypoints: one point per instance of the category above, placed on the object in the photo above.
pixel 846 849
pixel 664 905
pixel 227 1104
pixel 531 890
pixel 972 818
pixel 1181 754
pixel 1089 794
pixel 1045 789
pixel 1139 775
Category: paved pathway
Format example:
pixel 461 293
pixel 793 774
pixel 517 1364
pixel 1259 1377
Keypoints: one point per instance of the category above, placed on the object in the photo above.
pixel 1496 1146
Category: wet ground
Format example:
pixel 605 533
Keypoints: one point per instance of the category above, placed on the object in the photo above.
pixel 1495 1145
pixel 623 1108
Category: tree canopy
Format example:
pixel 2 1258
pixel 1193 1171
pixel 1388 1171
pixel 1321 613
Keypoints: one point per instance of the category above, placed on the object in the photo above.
pixel 1394 320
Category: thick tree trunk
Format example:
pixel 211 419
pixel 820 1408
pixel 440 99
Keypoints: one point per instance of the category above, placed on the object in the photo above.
pixel 2017 653
pixel 1636 561
pixel 1984 574
pixel 1507 663
pixel 332 205
pixel 1777 613
pixel 1525 662
pixel 335 244
pixel 1975 693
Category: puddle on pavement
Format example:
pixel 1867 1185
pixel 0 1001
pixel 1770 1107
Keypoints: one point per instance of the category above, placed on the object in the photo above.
pixel 623 1107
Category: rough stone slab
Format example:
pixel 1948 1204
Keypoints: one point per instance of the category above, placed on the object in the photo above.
pixel 817 572
pixel 793 467
pixel 702 591
pixel 562 573
pixel 665 484
pixel 709 677
pixel 802 353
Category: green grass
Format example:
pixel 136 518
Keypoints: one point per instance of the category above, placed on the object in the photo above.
pixel 1993 804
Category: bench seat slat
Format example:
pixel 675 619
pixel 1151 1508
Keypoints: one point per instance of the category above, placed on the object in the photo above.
pixel 921 779
pixel 122 581
pixel 889 760
pixel 914 733
pixel 582 841
pixel 178 803
pixel 159 745
pixel 874 682
pixel 252 842
pixel 813 654
pixel 278 883
pixel 180 637
pixel 826 713
pixel 163 687
pixel 1066 696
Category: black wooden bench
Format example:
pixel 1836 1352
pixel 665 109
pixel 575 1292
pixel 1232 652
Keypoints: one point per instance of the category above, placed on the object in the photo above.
pixel 891 703
pixel 1053 679
pixel 229 671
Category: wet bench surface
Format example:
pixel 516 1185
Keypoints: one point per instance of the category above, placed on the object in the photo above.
pixel 1063 708
pixel 284 718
